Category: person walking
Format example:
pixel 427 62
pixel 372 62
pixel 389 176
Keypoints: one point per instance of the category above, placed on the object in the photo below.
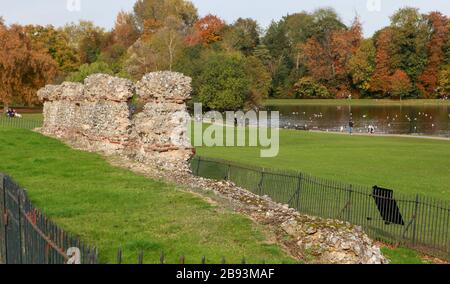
pixel 350 126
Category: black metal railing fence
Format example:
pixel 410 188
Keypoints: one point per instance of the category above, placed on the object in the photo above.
pixel 22 123
pixel 415 221
pixel 28 237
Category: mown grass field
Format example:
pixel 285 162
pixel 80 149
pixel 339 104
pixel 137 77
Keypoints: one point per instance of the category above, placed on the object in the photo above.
pixel 406 165
pixel 353 102
pixel 110 208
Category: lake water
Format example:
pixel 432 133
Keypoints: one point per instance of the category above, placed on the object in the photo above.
pixel 413 120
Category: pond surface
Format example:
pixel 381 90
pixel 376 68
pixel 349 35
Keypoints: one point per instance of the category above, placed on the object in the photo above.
pixel 413 120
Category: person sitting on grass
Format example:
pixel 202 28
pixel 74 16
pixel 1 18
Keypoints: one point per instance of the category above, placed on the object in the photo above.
pixel 10 113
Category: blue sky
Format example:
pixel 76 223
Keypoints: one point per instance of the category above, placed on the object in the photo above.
pixel 103 12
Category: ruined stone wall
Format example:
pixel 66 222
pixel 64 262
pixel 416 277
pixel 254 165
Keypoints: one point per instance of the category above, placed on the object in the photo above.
pixel 98 116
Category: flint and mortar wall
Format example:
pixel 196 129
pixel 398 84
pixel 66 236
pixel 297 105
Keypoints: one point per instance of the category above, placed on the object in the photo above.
pixel 97 116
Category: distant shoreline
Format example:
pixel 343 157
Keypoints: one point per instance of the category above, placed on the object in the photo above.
pixel 357 102
pixel 383 135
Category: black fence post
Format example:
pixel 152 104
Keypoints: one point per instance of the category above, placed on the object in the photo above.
pixel 447 244
pixel 261 180
pixel 20 227
pixel 2 220
pixel 299 186
pixel 119 256
pixel 416 207
pixel 198 166
pixel 161 258
pixel 349 204
pixel 141 257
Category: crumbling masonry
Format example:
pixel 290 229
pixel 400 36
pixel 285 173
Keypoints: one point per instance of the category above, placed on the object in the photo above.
pixel 98 116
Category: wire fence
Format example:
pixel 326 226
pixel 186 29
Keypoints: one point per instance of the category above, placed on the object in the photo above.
pixel 23 123
pixel 418 222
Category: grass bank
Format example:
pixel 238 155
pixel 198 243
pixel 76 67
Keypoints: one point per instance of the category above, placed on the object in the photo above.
pixel 110 207
pixel 405 165
pixel 354 102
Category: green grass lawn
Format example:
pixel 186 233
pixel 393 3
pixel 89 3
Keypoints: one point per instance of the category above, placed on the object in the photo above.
pixel 109 207
pixel 354 102
pixel 403 256
pixel 406 165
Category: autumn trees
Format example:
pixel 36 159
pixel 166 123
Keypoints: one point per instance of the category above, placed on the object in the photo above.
pixel 410 55
pixel 429 79
pixel 25 66
pixel 239 64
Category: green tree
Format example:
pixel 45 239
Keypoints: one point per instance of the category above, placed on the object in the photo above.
pixel 243 36
pixel 160 51
pixel 326 21
pixel 281 65
pixel 410 34
pixel 259 79
pixel 308 88
pixel 88 39
pixel 223 83
pixel 300 27
pixel 75 32
pixel 149 12
pixel 88 69
pixel 57 44
pixel 362 65
pixel 91 46
pixel 114 55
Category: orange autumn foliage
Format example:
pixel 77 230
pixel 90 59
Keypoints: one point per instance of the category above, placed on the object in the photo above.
pixel 428 80
pixel 399 83
pixel 125 31
pixel 381 76
pixel 24 67
pixel 207 30
pixel 328 60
